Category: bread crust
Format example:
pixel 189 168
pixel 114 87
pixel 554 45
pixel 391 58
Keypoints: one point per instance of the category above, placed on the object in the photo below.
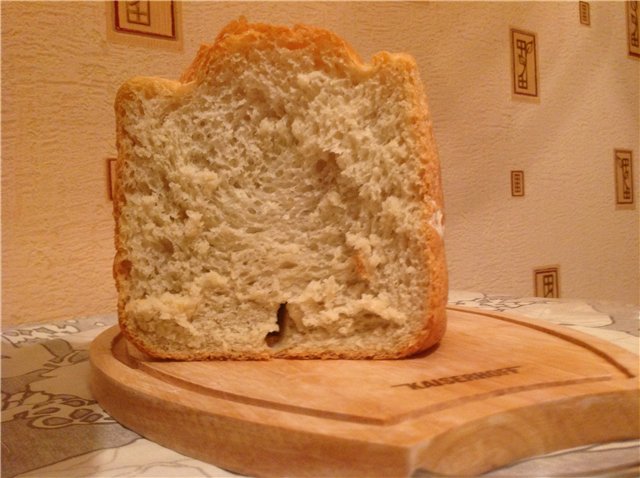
pixel 239 35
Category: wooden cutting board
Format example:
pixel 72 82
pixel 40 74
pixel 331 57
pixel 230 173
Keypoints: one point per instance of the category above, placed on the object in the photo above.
pixel 499 388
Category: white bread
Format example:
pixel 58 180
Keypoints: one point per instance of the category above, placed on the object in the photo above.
pixel 283 199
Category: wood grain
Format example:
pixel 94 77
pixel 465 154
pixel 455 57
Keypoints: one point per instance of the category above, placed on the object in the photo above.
pixel 499 388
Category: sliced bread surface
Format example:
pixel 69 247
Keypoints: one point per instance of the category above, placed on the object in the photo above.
pixel 283 199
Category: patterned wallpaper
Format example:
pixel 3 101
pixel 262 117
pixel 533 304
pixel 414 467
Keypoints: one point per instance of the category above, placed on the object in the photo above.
pixel 526 85
pixel 561 99
pixel 535 108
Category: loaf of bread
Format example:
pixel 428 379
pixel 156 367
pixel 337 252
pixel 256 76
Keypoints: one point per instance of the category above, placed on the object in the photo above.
pixel 282 200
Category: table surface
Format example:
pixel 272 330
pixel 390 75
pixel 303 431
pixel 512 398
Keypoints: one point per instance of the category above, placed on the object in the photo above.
pixel 52 426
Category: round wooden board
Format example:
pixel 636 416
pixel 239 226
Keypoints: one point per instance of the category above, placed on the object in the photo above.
pixel 499 388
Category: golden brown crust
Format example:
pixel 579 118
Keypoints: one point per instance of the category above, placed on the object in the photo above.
pixel 239 36
pixel 438 283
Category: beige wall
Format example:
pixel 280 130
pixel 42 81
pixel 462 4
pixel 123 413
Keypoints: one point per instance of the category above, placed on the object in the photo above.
pixel 60 75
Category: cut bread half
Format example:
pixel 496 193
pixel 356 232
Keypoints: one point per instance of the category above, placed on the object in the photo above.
pixel 283 199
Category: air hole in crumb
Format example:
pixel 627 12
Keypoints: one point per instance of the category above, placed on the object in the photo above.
pixel 166 246
pixel 124 268
pixel 273 338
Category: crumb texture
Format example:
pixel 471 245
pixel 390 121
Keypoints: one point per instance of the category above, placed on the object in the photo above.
pixel 276 205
